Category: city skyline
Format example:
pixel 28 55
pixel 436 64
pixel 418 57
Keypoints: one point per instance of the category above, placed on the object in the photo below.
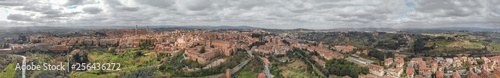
pixel 275 14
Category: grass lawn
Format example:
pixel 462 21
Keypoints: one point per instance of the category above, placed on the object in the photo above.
pixel 129 60
pixel 246 74
pixel 160 74
pixel 90 75
pixel 297 69
pixel 8 72
pixel 495 47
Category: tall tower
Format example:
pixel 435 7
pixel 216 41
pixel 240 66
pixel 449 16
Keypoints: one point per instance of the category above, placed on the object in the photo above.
pixel 149 29
pixel 136 29
pixel 209 43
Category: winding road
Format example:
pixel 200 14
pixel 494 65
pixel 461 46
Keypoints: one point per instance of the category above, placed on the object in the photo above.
pixel 24 63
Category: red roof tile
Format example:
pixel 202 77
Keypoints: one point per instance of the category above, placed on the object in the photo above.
pixel 439 74
pixel 409 71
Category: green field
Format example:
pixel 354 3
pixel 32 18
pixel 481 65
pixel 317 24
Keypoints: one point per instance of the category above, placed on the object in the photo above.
pixel 246 74
pixel 495 47
pixel 131 59
pixel 297 69
pixel 8 72
pixel 90 75
pixel 312 65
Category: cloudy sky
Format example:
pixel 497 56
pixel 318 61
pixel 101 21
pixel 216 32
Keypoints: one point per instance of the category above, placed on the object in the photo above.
pixel 287 14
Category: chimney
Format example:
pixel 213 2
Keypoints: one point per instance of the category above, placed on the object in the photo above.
pixel 136 29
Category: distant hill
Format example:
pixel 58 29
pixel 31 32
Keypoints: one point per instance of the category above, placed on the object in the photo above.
pixel 444 29
pixel 207 27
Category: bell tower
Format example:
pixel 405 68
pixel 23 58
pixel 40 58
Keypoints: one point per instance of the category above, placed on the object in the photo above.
pixel 136 29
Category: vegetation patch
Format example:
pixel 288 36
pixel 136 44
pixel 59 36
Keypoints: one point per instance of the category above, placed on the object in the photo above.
pixel 8 72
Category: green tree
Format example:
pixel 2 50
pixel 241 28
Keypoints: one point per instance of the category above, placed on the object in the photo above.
pixel 390 54
pixel 202 50
pixel 480 61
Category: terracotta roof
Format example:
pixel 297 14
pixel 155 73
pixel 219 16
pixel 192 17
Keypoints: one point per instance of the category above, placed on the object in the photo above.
pixel 388 59
pixel 417 58
pixel 397 55
pixel 346 76
pixel 424 68
pixel 439 74
pixel 385 76
pixel 485 74
pixel 399 69
pixel 361 76
pixel 375 66
pixel 409 71
pixel 419 76
pixel 75 51
pixel 371 76
pixel 471 74
pixel 427 73
pixel 455 74
pixel 261 75
pixel 495 57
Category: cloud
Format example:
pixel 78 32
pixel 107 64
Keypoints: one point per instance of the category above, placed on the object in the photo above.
pixel 92 10
pixel 445 8
pixel 195 4
pixel 118 6
pixel 73 2
pixel 157 3
pixel 12 2
pixel 317 14
pixel 19 17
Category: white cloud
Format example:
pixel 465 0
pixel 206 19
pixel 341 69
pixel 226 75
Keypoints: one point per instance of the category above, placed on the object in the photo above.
pixel 318 14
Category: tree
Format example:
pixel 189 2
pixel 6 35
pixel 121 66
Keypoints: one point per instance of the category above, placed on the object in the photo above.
pixel 480 61
pixel 342 67
pixel 390 54
pixel 202 50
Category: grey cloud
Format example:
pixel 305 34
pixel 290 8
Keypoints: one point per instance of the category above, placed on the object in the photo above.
pixel 12 2
pixel 95 18
pixel 119 6
pixel 196 13
pixel 128 8
pixel 363 16
pixel 196 4
pixel 447 8
pixel 136 16
pixel 347 20
pixel 248 4
pixel 92 10
pixel 51 12
pixel 73 2
pixel 264 13
pixel 280 13
pixel 60 14
pixel 157 3
pixel 36 7
pixel 46 10
pixel 301 10
pixel 19 17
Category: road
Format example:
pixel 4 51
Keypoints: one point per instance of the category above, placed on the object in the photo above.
pixel 241 65
pixel 268 73
pixel 24 63
pixel 359 61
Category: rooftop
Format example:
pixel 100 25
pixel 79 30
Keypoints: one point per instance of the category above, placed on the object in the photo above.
pixel 439 74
